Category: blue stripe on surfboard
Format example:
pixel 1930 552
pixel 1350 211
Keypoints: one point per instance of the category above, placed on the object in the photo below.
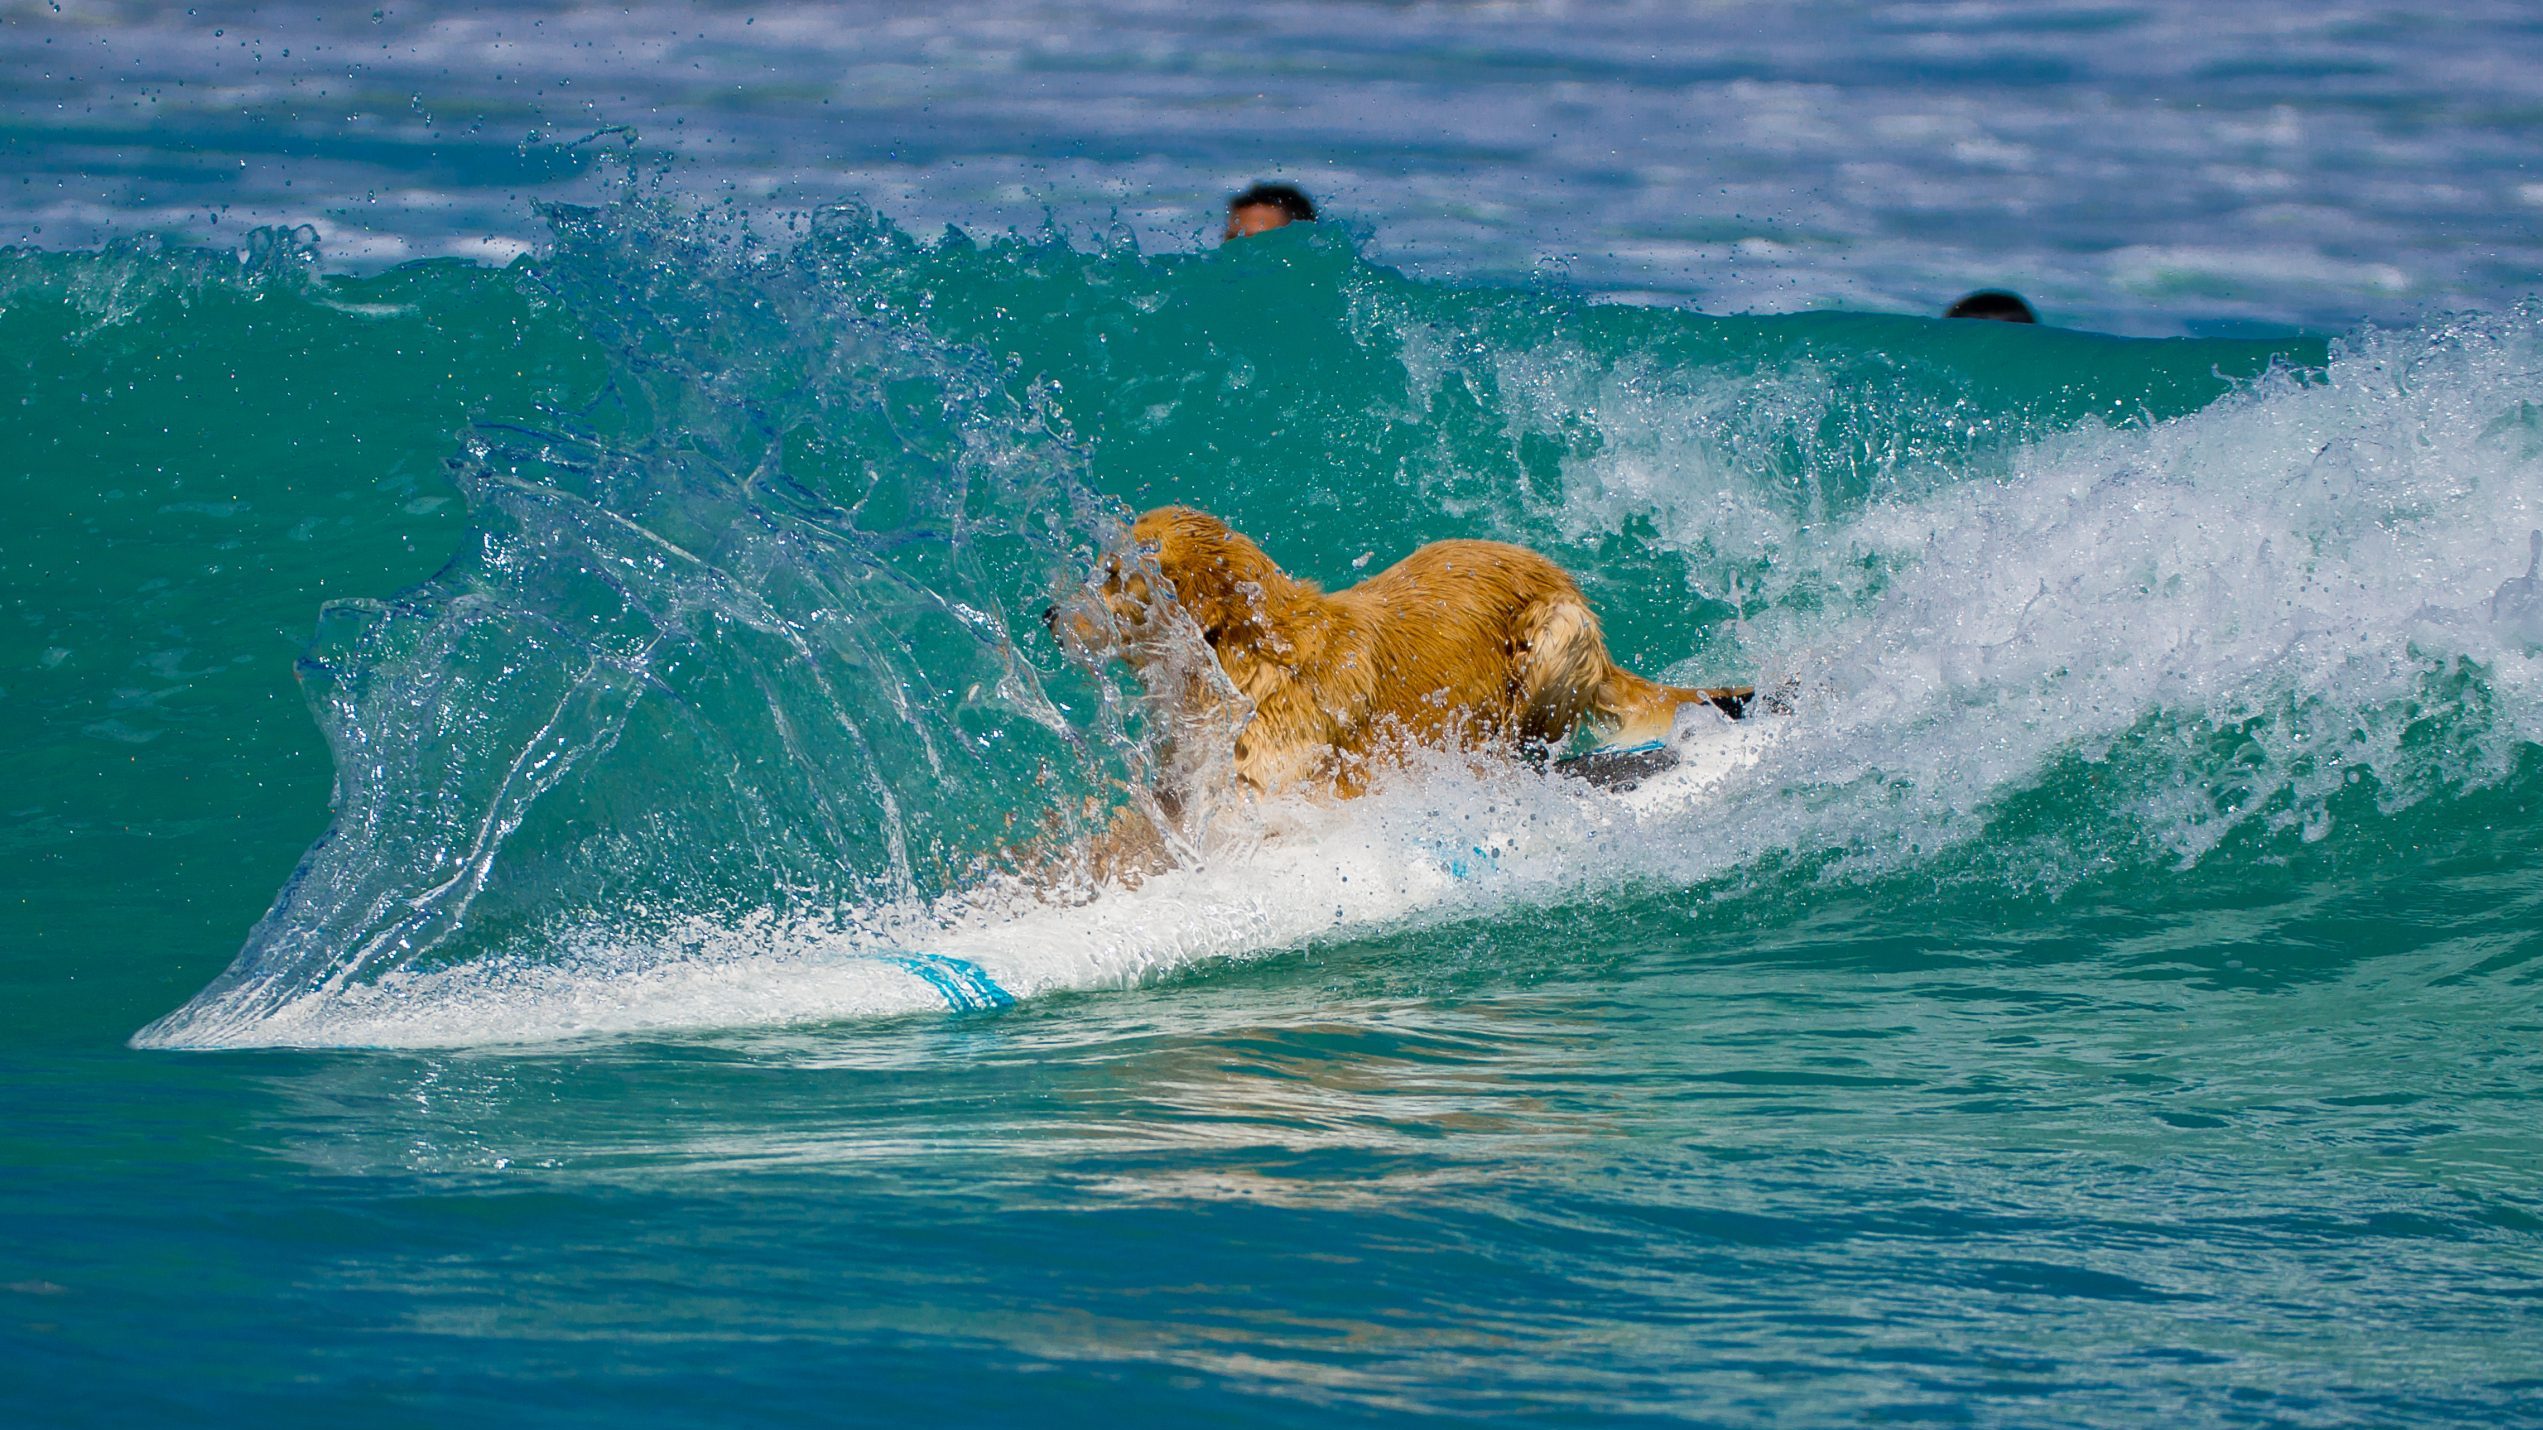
pixel 1646 747
pixel 965 986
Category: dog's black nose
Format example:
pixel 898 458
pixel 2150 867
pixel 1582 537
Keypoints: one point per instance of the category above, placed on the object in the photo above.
pixel 1051 617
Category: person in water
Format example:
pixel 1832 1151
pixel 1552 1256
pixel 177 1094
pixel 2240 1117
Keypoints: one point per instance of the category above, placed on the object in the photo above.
pixel 1995 305
pixel 1265 207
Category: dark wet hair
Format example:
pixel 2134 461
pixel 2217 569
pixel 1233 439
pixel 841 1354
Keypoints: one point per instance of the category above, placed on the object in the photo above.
pixel 1291 200
pixel 1993 303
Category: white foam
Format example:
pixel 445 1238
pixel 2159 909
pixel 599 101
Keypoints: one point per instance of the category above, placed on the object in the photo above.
pixel 2226 620
pixel 2293 564
pixel 1449 841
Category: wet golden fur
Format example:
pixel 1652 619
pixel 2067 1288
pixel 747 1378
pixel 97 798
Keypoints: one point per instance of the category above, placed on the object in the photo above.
pixel 1463 645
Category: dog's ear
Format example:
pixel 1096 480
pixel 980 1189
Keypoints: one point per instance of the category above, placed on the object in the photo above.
pixel 1205 588
pixel 1218 576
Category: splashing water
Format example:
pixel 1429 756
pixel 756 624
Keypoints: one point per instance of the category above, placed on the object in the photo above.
pixel 729 645
pixel 734 695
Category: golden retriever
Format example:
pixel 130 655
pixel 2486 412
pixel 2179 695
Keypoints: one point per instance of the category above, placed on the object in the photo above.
pixel 1464 645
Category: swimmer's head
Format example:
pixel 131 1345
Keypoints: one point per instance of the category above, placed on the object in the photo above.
pixel 1994 304
pixel 1267 206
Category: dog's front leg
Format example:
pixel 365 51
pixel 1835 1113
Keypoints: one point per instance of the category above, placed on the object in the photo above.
pixel 1130 849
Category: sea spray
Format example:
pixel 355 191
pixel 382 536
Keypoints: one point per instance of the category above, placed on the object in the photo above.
pixel 2231 618
pixel 738 687
pixel 735 640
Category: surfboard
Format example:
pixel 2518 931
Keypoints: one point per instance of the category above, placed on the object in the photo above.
pixel 1295 888
pixel 1619 767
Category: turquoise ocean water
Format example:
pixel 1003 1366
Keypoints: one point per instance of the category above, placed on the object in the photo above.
pixel 515 653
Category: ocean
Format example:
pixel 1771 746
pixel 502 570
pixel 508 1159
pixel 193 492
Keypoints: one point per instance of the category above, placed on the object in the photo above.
pixel 521 564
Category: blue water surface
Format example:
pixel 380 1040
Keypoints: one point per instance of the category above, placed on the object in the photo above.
pixel 522 535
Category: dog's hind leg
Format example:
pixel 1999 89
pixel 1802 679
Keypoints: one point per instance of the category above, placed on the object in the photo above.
pixel 1633 710
pixel 1564 675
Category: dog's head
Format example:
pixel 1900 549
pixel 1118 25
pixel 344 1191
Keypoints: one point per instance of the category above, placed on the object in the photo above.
pixel 1181 601
pixel 1181 560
